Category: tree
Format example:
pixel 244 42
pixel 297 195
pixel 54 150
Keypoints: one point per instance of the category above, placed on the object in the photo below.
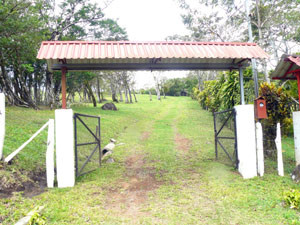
pixel 273 22
pixel 20 33
pixel 24 24
pixel 157 77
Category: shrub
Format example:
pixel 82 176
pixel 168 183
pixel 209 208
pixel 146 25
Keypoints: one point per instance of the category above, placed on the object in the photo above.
pixel 279 110
pixel 292 198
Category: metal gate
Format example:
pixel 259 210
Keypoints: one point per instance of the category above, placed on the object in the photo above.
pixel 225 136
pixel 87 143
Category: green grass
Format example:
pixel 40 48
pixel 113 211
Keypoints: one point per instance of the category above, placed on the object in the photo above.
pixel 192 188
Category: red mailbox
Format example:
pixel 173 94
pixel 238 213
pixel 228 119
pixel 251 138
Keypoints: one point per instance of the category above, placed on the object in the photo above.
pixel 260 108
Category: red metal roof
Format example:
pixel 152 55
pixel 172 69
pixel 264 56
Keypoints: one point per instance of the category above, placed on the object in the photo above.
pixel 286 68
pixel 148 50
pixel 127 55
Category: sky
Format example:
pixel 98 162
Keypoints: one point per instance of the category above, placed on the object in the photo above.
pixel 148 20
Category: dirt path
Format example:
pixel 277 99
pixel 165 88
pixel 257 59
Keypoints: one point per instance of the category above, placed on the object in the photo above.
pixel 130 193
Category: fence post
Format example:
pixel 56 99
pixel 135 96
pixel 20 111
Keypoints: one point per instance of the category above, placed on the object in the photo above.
pixel 246 147
pixel 64 134
pixel 279 151
pixel 2 123
pixel 296 123
pixel 50 155
pixel 260 149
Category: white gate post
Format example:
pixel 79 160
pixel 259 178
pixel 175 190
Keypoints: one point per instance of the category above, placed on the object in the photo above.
pixel 246 146
pixel 64 130
pixel 50 155
pixel 260 149
pixel 296 123
pixel 2 123
pixel 279 151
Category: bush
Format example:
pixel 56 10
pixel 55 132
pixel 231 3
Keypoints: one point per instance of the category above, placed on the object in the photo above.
pixel 292 198
pixel 279 111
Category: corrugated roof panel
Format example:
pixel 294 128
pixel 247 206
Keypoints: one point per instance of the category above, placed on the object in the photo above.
pixel 99 51
pixel 284 67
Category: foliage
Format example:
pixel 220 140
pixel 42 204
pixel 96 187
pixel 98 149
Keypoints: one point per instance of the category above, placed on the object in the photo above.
pixel 224 93
pixel 175 87
pixel 279 111
pixel 278 102
pixel 292 198
pixel 37 219
pixel 274 22
pixel 24 24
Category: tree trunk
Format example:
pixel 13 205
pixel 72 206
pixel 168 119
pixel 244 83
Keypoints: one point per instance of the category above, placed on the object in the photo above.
pixel 126 96
pixel 150 95
pixel 121 94
pixel 157 92
pixel 84 95
pixel 113 92
pixel 98 90
pixel 91 94
pixel 130 97
pixel 135 98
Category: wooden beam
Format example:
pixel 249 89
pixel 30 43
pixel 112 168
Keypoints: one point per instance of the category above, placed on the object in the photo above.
pixel 64 87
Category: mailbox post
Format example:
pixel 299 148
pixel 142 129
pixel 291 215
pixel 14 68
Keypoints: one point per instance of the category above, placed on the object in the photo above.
pixel 260 110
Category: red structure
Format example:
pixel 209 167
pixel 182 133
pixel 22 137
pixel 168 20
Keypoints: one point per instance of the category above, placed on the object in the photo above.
pixel 126 55
pixel 288 69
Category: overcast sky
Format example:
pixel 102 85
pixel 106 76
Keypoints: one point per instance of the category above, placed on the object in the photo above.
pixel 148 20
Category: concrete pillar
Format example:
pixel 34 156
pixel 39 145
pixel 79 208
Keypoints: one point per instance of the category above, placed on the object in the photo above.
pixel 279 151
pixel 64 147
pixel 246 146
pixel 2 123
pixel 260 149
pixel 296 121
pixel 50 155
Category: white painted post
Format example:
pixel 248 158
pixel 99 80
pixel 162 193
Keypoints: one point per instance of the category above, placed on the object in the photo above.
pixel 260 149
pixel 2 123
pixel 64 148
pixel 279 151
pixel 50 155
pixel 246 146
pixel 296 123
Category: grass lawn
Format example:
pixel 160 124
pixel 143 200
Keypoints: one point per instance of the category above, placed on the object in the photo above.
pixel 165 173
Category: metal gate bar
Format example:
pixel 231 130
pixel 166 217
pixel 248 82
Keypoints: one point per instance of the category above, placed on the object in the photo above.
pixel 96 135
pixel 218 138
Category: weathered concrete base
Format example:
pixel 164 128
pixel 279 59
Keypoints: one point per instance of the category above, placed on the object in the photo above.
pixel 2 123
pixel 65 148
pixel 246 146
pixel 296 121
pixel 260 150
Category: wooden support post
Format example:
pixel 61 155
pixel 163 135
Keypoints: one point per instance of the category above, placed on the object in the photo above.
pixel 64 88
pixel 298 79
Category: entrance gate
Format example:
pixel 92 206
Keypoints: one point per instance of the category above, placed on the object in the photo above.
pixel 225 135
pixel 87 143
